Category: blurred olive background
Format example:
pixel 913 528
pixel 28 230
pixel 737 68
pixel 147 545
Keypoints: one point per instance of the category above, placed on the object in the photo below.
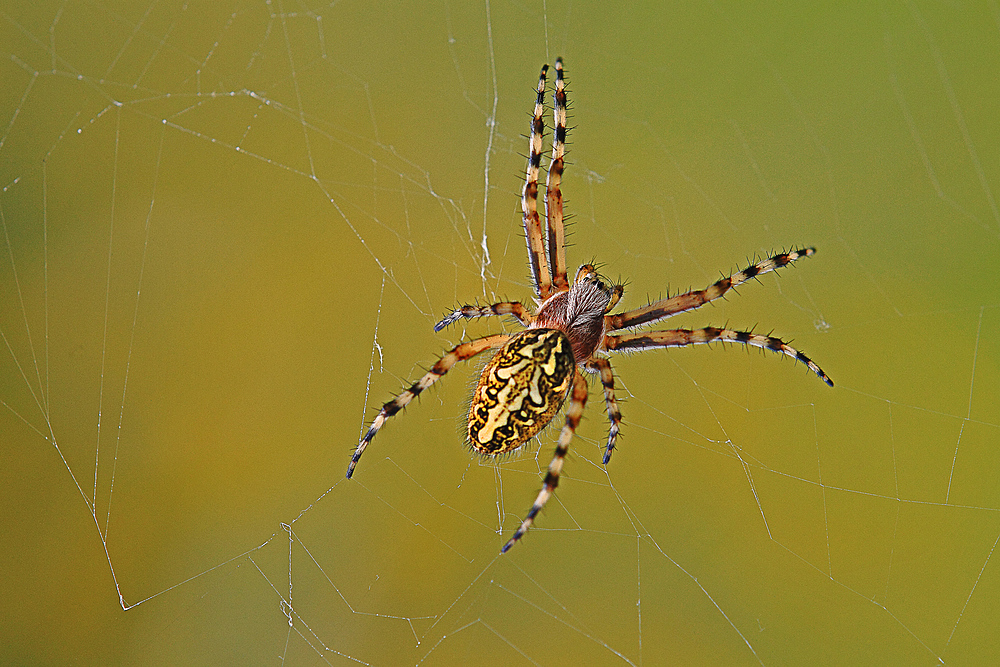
pixel 230 227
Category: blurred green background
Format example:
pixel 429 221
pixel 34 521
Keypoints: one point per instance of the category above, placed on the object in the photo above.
pixel 230 227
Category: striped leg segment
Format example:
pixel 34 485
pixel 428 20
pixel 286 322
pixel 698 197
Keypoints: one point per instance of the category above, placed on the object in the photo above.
pixel 664 308
pixel 553 192
pixel 603 368
pixel 444 364
pixel 514 308
pixel 529 198
pixel 649 340
pixel 578 399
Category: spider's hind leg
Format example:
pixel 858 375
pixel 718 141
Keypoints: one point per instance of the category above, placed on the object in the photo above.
pixel 443 365
pixel 578 399
pixel 649 340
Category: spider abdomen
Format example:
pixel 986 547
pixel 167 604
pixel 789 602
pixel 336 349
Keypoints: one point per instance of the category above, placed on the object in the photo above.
pixel 521 389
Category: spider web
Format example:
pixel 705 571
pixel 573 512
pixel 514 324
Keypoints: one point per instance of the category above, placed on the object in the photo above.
pixel 228 232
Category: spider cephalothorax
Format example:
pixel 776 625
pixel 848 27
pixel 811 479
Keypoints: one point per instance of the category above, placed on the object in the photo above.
pixel 533 372
pixel 579 311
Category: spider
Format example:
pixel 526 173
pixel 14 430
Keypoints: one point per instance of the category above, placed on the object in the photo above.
pixel 535 370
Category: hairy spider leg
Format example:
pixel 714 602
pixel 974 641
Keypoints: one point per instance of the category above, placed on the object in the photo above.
pixel 515 308
pixel 458 353
pixel 578 399
pixel 648 340
pixel 540 276
pixel 664 308
pixel 553 193
pixel 603 368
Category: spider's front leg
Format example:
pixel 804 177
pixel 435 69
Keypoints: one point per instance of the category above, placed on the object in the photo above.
pixel 578 399
pixel 540 276
pixel 444 364
pixel 553 191
pixel 514 308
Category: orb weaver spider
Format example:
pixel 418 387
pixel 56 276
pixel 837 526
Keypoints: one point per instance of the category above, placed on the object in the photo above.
pixel 534 371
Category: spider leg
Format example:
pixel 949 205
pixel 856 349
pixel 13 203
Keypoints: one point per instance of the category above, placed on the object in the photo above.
pixel 603 367
pixel 529 198
pixel 648 340
pixel 578 399
pixel 514 308
pixel 680 303
pixel 553 193
pixel 459 353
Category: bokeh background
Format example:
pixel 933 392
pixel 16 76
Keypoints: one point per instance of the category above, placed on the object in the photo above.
pixel 228 229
